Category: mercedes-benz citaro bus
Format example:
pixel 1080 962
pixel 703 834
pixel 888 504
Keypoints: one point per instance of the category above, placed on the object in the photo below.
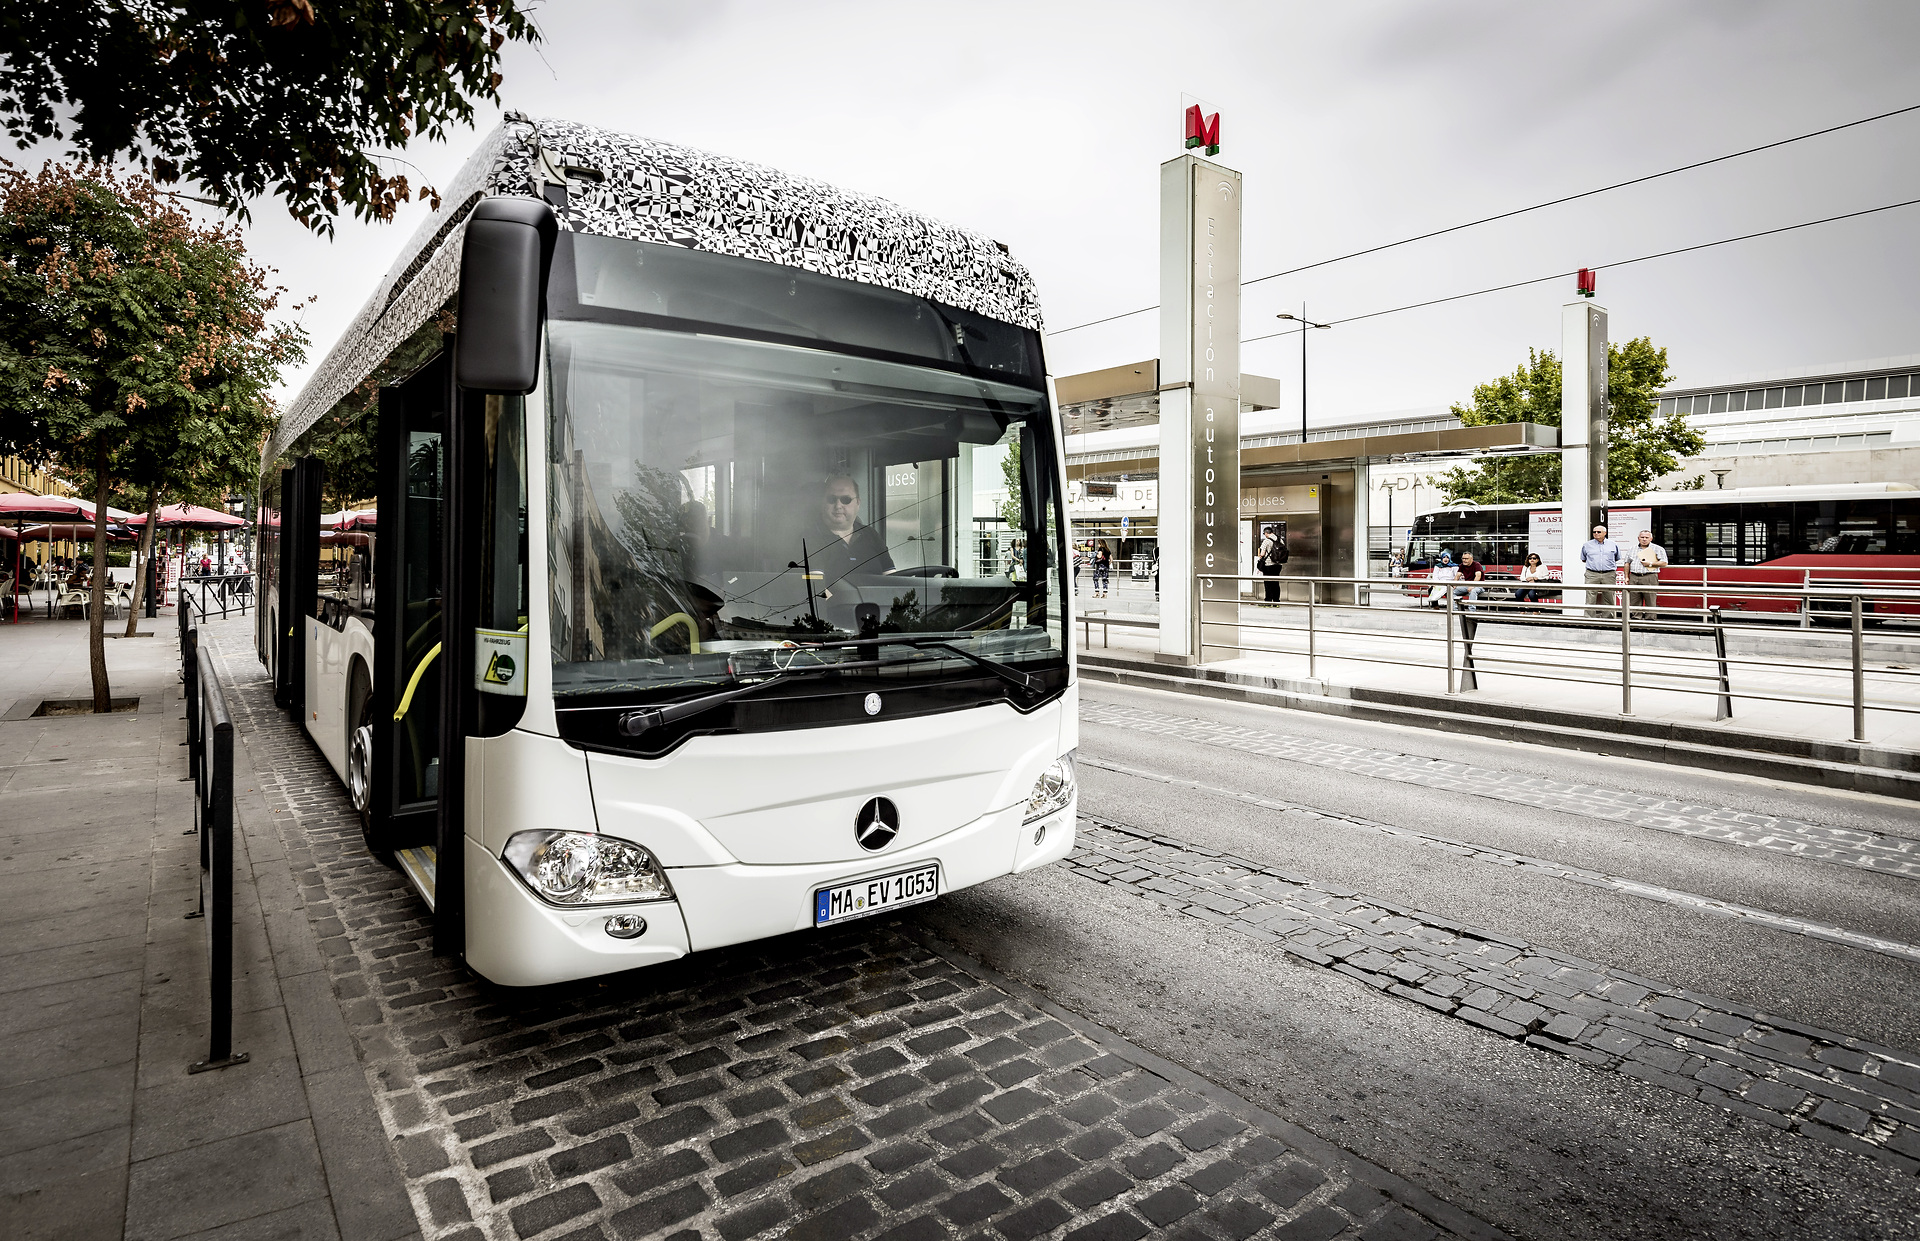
pixel 670 555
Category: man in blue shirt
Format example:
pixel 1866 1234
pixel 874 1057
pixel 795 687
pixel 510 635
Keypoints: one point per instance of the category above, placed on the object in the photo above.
pixel 1600 556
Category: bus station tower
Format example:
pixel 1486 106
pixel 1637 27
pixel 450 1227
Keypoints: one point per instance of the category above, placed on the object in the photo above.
pixel 1200 223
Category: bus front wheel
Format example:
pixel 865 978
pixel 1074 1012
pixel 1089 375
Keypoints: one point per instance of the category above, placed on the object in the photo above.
pixel 360 763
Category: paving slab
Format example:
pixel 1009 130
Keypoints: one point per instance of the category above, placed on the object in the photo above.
pixel 104 991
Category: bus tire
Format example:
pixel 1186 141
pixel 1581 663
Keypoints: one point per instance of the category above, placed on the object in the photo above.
pixel 360 760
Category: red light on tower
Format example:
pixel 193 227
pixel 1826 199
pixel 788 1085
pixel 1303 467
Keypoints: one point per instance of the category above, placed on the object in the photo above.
pixel 1203 130
pixel 1586 281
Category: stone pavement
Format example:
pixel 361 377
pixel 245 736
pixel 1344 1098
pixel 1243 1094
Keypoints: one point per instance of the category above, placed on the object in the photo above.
pixel 103 989
pixel 1890 855
pixel 1824 1085
pixel 864 1081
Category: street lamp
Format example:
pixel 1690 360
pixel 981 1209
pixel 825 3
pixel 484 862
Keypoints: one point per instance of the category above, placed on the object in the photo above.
pixel 1305 323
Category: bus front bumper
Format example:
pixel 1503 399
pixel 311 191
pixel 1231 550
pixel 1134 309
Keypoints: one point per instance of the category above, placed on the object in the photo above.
pixel 522 941
pixel 736 903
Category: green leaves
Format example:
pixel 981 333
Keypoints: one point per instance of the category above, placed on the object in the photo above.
pixel 280 96
pixel 1641 445
pixel 131 336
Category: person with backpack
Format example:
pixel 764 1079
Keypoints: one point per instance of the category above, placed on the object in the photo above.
pixel 1269 560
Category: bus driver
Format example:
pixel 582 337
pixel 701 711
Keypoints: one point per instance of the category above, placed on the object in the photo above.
pixel 845 546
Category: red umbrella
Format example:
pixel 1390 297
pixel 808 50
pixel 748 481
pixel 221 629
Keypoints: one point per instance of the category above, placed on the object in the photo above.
pixel 74 533
pixel 23 506
pixel 191 517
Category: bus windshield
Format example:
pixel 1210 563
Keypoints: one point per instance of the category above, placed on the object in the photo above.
pixel 720 508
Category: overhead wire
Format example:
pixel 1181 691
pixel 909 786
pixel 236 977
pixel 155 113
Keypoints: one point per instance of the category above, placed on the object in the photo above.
pixel 1506 215
pixel 1561 275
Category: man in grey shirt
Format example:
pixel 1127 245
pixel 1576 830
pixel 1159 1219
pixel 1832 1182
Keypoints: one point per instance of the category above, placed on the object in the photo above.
pixel 1600 556
pixel 1643 574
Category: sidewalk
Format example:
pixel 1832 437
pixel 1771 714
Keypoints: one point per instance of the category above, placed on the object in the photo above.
pixel 1404 651
pixel 103 987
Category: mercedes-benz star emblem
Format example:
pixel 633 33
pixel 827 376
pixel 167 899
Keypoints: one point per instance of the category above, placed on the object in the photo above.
pixel 876 825
pixel 873 704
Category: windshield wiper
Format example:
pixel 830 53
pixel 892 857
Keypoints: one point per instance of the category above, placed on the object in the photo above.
pixel 1013 676
pixel 644 719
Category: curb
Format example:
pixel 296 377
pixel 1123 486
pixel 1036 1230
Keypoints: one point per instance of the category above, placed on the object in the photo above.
pixel 1837 765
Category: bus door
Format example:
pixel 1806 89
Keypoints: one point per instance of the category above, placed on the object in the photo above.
pixel 298 580
pixel 409 595
pixel 483 672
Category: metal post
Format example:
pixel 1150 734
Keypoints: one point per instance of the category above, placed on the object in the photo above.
pixel 1859 673
pixel 1313 596
pixel 214 799
pixel 1449 639
pixel 1626 656
pixel 196 738
pixel 1723 705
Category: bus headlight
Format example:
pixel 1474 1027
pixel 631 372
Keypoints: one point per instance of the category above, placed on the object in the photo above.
pixel 1054 790
pixel 579 868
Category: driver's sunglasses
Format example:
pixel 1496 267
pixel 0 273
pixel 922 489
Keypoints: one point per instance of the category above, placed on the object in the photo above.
pixel 832 499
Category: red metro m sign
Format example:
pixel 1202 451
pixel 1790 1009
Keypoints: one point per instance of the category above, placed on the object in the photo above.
pixel 1203 130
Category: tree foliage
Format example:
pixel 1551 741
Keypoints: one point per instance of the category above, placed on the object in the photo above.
pixel 136 350
pixel 1010 504
pixel 1641 445
pixel 254 96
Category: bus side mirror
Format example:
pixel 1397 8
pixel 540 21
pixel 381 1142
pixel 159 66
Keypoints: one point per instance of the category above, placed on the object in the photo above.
pixel 503 281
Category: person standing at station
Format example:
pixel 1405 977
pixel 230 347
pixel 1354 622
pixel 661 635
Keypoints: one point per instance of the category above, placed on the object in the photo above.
pixel 1643 575
pixel 1102 569
pixel 1269 561
pixel 1600 556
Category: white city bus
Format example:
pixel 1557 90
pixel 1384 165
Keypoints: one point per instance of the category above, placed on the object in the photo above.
pixel 652 610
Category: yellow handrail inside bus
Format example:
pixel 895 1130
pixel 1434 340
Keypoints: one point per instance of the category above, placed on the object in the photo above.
pixel 413 683
pixel 680 618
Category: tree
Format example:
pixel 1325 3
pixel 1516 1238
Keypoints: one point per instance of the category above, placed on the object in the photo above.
pixel 1011 505
pixel 135 347
pixel 247 96
pixel 1641 445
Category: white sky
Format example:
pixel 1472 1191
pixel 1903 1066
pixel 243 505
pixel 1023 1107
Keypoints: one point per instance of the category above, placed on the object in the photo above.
pixel 1043 125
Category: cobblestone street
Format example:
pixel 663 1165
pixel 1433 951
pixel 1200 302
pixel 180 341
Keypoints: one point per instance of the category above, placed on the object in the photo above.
pixel 879 1080
pixel 863 1082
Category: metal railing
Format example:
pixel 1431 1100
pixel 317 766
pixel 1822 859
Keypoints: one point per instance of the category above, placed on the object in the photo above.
pixel 210 767
pixel 220 591
pixel 1628 641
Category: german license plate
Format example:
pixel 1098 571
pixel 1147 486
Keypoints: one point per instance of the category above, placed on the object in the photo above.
pixel 846 901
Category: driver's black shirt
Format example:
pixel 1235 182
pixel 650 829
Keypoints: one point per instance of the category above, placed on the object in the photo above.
pixel 834 558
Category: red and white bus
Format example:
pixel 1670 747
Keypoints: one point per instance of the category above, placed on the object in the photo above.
pixel 1840 536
